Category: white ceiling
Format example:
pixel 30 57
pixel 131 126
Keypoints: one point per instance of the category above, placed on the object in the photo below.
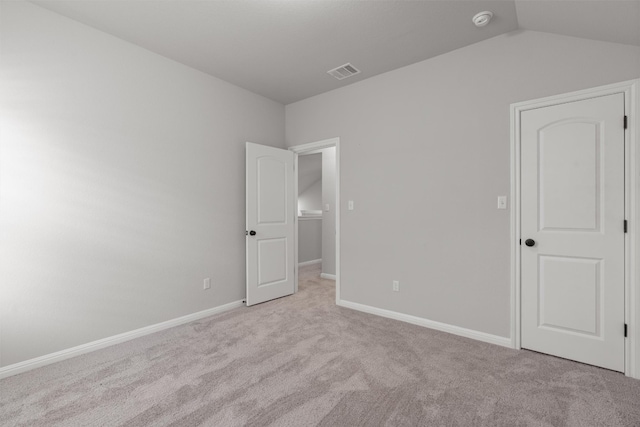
pixel 282 49
pixel 609 20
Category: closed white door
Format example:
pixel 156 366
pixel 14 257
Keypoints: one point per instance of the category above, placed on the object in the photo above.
pixel 572 230
pixel 270 223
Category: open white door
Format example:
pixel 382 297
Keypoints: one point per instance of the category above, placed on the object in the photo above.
pixel 572 229
pixel 270 223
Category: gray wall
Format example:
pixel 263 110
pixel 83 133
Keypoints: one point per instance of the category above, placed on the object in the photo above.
pixel 329 217
pixel 309 182
pixel 311 197
pixel 121 184
pixel 309 239
pixel 424 154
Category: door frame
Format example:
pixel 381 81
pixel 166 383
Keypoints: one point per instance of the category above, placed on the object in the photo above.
pixel 308 149
pixel 631 90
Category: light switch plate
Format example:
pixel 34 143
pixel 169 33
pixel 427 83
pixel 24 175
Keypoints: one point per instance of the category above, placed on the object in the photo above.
pixel 502 202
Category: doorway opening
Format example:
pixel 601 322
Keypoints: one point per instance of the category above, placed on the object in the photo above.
pixel 312 198
pixel 317 231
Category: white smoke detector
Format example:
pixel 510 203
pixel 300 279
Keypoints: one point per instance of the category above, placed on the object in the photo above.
pixel 481 19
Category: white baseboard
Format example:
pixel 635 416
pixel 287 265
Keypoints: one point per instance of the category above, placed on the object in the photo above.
pixel 313 261
pixel 444 327
pixel 328 276
pixel 58 356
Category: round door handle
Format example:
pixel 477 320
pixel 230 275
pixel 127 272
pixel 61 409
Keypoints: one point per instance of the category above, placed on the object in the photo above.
pixel 252 233
pixel 530 242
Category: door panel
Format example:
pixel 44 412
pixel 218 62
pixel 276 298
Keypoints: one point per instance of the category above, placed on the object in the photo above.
pixel 569 171
pixel 572 206
pixel 271 269
pixel 271 192
pixel 270 214
pixel 570 282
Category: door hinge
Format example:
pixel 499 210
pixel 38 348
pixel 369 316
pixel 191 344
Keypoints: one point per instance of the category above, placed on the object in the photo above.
pixel 520 242
pixel 625 330
pixel 625 225
pixel 246 232
pixel 625 122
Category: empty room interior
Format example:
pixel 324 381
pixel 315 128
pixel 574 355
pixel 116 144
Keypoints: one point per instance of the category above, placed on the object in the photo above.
pixel 319 213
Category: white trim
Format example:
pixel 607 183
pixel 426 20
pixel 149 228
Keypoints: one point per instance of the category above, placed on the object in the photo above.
pixel 313 261
pixel 431 324
pixel 27 365
pixel 315 146
pixel 308 149
pixel 296 223
pixel 631 90
pixel 633 231
pixel 328 276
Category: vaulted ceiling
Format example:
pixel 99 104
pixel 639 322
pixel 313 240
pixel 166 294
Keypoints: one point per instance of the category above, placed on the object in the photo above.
pixel 309 171
pixel 282 49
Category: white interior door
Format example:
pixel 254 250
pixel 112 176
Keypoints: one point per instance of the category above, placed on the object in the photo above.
pixel 572 230
pixel 270 223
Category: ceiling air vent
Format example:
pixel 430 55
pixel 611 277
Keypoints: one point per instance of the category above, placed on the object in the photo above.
pixel 344 71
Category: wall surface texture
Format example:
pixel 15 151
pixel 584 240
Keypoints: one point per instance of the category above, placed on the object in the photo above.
pixel 311 197
pixel 424 154
pixel 329 217
pixel 121 184
pixel 309 239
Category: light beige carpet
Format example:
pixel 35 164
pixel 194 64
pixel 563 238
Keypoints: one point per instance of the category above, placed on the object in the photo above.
pixel 302 361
